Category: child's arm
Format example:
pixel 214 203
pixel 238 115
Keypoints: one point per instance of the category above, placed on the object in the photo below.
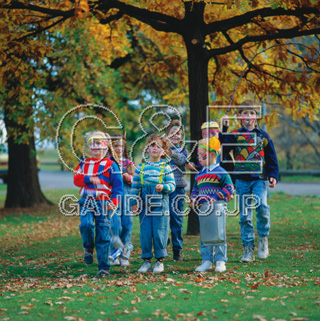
pixel 79 178
pixel 169 184
pixel 136 185
pixel 272 167
pixel 225 138
pixel 116 183
pixel 180 158
pixel 227 189
pixel 194 194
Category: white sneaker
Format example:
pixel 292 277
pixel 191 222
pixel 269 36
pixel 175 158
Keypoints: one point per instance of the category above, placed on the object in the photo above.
pixel 146 267
pixel 247 255
pixel 205 266
pixel 124 262
pixel 263 250
pixel 159 267
pixel 115 262
pixel 220 266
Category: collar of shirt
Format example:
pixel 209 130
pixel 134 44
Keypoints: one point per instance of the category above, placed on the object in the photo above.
pixel 211 167
pixel 244 129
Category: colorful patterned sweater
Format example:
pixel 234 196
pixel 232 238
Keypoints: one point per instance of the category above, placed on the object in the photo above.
pixel 254 154
pixel 151 176
pixel 212 183
pixel 111 183
pixel 178 165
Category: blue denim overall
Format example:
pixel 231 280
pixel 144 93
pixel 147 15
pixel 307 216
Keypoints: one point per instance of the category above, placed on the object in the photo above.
pixel 154 221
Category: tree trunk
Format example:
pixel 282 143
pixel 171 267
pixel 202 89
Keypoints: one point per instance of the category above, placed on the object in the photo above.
pixel 198 83
pixel 23 188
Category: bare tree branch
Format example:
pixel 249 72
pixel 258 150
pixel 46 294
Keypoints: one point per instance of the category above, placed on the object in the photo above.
pixel 282 34
pixel 52 12
pixel 158 21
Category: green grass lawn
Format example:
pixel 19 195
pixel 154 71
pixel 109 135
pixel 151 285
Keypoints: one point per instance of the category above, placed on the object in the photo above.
pixel 42 275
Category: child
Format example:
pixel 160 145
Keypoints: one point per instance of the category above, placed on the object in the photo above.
pixel 208 130
pixel 211 184
pixel 154 181
pixel 255 162
pixel 127 170
pixel 101 186
pixel 178 155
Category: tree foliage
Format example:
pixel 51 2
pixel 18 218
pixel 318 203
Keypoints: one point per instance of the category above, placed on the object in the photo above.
pixel 266 50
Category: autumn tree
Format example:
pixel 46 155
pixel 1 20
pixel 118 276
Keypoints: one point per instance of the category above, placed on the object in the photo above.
pixel 253 47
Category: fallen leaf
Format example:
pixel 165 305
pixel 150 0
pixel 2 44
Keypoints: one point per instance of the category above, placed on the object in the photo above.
pixel 259 317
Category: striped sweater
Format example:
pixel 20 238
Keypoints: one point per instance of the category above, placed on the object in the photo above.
pixel 151 176
pixel 111 183
pixel 212 183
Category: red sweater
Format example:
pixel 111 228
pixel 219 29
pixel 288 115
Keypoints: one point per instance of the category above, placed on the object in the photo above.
pixel 111 183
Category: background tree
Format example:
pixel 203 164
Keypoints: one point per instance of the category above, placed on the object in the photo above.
pixel 256 42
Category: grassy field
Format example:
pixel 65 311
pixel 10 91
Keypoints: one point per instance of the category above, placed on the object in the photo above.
pixel 42 275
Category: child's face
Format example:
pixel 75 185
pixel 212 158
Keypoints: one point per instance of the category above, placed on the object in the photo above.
pixel 203 156
pixel 175 135
pixel 248 117
pixel 155 148
pixel 210 132
pixel 98 147
pixel 118 147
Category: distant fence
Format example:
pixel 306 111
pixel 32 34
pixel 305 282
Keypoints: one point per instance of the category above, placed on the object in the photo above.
pixel 299 173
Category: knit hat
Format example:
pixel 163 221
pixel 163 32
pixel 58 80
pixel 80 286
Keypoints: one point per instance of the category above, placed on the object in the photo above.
pixel 210 124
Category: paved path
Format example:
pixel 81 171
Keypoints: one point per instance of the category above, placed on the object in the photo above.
pixel 61 180
pixel 56 180
pixel 297 188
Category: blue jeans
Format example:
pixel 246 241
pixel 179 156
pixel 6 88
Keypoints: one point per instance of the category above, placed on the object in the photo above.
pixel 220 252
pixel 115 226
pixel 154 223
pixel 176 202
pixel 253 194
pixel 92 217
pixel 126 218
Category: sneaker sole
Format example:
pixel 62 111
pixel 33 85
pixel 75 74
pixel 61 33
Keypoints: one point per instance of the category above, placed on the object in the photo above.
pixel 245 261
pixel 144 271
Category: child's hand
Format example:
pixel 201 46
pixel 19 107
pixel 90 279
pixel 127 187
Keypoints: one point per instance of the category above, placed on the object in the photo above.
pixel 225 120
pixel 230 198
pixel 191 203
pixel 126 177
pixel 191 166
pixel 159 188
pixel 273 182
pixel 111 207
pixel 95 180
pixel 134 210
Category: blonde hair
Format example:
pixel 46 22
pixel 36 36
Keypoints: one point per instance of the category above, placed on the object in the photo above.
pixel 99 134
